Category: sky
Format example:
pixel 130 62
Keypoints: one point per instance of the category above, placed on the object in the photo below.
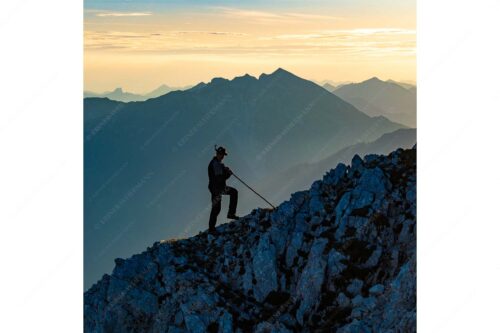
pixel 139 45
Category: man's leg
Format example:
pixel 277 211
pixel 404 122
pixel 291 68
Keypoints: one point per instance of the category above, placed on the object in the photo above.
pixel 216 199
pixel 233 200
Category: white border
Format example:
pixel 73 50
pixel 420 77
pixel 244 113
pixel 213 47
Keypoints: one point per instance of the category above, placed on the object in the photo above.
pixel 458 268
pixel 41 284
pixel 41 245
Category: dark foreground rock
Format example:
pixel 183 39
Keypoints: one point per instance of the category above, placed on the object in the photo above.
pixel 340 257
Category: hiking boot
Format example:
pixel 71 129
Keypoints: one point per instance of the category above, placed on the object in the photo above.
pixel 233 216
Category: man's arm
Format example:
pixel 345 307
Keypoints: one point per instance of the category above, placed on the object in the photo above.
pixel 227 172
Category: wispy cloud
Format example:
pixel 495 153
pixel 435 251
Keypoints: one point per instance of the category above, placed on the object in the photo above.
pixel 202 32
pixel 248 13
pixel 355 42
pixel 387 31
pixel 325 34
pixel 314 16
pixel 169 42
pixel 123 14
pixel 269 17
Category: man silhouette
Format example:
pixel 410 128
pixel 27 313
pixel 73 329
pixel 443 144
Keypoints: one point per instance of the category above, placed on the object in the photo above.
pixel 217 175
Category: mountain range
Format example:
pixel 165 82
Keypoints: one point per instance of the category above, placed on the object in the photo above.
pixel 338 257
pixel 145 163
pixel 394 100
pixel 300 176
pixel 373 97
pixel 330 87
pixel 330 84
pixel 406 85
pixel 119 95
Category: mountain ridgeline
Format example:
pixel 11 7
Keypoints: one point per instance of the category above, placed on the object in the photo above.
pixel 119 95
pixel 396 101
pixel 299 177
pixel 338 257
pixel 145 162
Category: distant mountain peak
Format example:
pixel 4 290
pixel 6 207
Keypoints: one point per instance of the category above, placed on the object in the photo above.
pixel 376 97
pixel 330 87
pixel 280 72
pixel 403 84
pixel 373 80
pixel 118 90
pixel 199 86
pixel 218 80
pixel 161 88
pixel 245 78
pixel 278 75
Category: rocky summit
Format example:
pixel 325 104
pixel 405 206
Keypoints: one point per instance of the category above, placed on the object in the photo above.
pixel 339 257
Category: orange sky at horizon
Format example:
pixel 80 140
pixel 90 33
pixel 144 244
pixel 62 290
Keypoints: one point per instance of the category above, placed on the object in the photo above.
pixel 140 50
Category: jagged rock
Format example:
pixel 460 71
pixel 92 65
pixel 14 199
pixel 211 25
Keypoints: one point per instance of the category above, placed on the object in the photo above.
pixel 264 268
pixel 339 257
pixel 374 181
pixel 377 289
pixel 293 246
pixel 343 300
pixel 355 326
pixel 271 328
pixel 311 279
pixel 356 164
pixel 374 258
pixel 226 323
pixel 354 288
pixel 335 175
pixel 316 206
pixel 335 265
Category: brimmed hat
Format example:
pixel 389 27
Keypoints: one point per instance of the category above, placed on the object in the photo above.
pixel 220 150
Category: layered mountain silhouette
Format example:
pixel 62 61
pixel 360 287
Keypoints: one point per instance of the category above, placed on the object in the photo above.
pixel 338 257
pixel 119 95
pixel 330 87
pixel 406 85
pixel 145 162
pixel 299 177
pixel 382 98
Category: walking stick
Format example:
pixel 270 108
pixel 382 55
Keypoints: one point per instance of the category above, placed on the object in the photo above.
pixel 253 191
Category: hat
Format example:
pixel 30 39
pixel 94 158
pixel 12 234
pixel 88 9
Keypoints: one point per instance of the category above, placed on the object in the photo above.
pixel 220 150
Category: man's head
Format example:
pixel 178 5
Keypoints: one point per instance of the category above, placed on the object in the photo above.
pixel 220 153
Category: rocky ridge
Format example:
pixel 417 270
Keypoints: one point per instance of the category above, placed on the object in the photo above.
pixel 339 257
